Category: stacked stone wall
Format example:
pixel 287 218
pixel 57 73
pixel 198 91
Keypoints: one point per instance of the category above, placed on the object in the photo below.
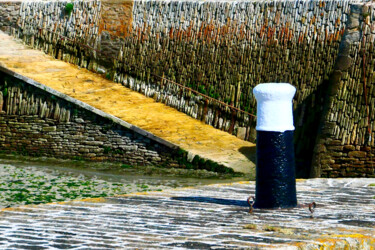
pixel 346 140
pixel 222 49
pixel 9 15
pixel 206 46
pixel 51 27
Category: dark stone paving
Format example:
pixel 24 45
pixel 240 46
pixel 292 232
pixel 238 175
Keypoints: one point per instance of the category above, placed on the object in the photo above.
pixel 207 217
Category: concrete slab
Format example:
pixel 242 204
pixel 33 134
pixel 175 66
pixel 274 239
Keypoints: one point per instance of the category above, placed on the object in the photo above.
pixel 207 217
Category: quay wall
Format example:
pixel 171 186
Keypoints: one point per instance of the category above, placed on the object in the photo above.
pixel 222 49
pixel 345 141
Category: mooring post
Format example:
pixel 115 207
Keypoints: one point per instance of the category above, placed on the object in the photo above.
pixel 275 168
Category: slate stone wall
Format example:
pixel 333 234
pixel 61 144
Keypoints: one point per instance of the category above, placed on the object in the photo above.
pixel 206 46
pixel 48 26
pixel 345 145
pixel 9 15
pixel 223 49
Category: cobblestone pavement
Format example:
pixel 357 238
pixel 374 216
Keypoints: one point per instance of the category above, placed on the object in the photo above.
pixel 208 217
pixel 130 106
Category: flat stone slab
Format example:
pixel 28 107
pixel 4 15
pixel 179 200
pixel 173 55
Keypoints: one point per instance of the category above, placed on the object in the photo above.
pixel 207 217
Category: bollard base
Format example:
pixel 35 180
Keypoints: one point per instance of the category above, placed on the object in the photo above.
pixel 275 170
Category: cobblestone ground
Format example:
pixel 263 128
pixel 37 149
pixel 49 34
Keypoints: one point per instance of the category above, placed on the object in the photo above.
pixel 207 217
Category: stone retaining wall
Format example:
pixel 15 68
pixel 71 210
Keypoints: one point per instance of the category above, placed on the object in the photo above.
pixel 345 145
pixel 205 46
pixel 223 49
pixel 36 120
pixel 9 15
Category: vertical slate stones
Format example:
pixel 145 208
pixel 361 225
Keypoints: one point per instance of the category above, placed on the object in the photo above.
pixel 222 49
pixel 203 45
pixel 275 170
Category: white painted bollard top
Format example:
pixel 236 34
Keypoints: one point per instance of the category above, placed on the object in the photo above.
pixel 274 106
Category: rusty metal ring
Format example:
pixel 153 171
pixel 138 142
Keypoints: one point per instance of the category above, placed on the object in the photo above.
pixel 312 207
pixel 251 201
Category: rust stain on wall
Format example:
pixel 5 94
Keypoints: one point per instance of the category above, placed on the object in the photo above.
pixel 116 17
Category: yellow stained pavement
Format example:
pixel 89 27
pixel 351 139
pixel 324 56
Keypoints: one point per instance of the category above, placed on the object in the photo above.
pixel 128 105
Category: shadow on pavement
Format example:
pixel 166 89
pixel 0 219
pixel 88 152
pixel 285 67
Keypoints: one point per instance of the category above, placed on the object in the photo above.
pixel 249 152
pixel 213 200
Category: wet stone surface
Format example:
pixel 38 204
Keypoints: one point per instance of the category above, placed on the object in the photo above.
pixel 206 217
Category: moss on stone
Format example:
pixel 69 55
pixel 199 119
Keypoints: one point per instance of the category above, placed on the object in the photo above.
pixel 69 8
pixel 250 226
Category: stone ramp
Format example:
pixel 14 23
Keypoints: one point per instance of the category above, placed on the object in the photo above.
pixel 207 217
pixel 132 107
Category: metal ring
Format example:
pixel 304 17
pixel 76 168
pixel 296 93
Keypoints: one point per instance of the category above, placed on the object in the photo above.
pixel 312 207
pixel 251 201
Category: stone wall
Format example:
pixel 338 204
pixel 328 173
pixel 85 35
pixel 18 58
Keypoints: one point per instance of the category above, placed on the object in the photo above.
pixel 61 33
pixel 115 24
pixel 222 49
pixel 36 120
pixel 202 45
pixel 345 145
pixel 9 15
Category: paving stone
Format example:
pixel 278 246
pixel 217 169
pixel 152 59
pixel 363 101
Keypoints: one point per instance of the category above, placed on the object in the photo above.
pixel 206 217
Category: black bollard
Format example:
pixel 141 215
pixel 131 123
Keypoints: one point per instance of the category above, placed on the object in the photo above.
pixel 275 168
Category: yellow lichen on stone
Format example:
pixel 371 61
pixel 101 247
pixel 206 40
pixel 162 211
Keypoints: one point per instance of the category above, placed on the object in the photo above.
pixel 250 226
pixel 98 200
pixel 344 241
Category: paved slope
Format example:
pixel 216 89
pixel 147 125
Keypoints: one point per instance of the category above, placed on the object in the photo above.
pixel 207 217
pixel 130 106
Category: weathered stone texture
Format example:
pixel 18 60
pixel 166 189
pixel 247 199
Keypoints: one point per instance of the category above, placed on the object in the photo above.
pixel 114 25
pixel 349 116
pixel 49 27
pixel 202 45
pixel 222 50
pixel 9 15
